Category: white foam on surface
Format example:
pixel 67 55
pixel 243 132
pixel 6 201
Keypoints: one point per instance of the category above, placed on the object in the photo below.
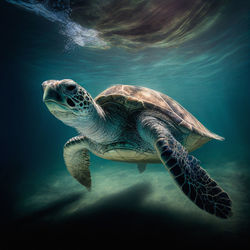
pixel 75 33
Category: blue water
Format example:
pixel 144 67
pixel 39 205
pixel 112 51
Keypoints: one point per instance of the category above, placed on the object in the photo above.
pixel 208 75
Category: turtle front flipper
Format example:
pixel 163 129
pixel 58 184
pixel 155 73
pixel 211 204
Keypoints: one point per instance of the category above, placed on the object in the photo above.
pixel 76 157
pixel 193 180
pixel 184 168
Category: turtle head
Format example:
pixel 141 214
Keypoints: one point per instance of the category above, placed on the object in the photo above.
pixel 67 100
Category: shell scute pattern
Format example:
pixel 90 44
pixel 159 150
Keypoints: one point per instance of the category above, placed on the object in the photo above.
pixel 134 98
pixel 140 97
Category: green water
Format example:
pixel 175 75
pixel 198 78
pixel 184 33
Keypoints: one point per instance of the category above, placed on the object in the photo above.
pixel 208 75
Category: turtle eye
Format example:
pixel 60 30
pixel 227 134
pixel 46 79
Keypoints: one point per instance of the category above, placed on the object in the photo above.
pixel 71 87
pixel 70 102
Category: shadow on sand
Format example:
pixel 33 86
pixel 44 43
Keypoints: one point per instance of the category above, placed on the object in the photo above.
pixel 122 217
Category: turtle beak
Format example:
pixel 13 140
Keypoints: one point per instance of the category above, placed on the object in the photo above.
pixel 50 91
pixel 49 83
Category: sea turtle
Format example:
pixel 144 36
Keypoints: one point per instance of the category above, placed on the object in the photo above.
pixel 138 125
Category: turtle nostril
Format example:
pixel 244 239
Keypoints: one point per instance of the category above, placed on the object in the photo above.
pixel 71 87
pixel 70 102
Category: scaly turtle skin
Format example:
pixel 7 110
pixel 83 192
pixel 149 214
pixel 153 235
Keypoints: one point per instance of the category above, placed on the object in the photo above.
pixel 137 125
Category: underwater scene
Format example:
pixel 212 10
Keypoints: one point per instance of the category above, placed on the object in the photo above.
pixel 196 52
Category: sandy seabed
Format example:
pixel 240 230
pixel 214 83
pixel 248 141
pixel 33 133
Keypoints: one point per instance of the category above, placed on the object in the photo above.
pixel 123 201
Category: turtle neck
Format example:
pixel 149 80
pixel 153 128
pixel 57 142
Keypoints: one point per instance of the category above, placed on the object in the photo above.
pixel 98 126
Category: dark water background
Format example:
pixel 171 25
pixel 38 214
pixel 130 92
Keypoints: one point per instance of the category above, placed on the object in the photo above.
pixel 208 75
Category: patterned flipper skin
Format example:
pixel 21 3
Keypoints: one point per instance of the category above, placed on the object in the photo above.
pixel 192 179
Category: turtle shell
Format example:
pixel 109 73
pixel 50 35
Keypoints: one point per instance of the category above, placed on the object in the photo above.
pixel 133 98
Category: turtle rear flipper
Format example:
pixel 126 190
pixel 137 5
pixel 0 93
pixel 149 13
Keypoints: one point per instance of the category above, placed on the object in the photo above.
pixel 141 167
pixel 76 158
